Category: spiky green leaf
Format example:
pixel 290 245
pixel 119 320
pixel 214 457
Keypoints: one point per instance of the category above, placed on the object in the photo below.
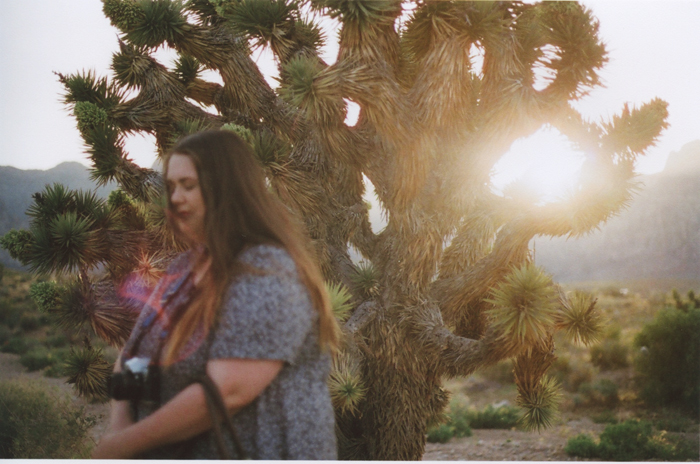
pixel 540 404
pixel 86 87
pixel 131 65
pixel 366 279
pixel 345 386
pixel 53 201
pixel 361 12
pixel 160 21
pixel 524 305
pixel 187 68
pixel 262 20
pixel 340 301
pixel 268 148
pixel 578 317
pixel 87 369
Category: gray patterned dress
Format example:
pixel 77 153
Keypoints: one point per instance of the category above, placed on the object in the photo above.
pixel 266 315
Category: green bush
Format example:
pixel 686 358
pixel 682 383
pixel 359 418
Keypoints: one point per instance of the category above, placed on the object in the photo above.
pixel 459 419
pixel 504 417
pixel 18 345
pixel 582 445
pixel 632 440
pixel 628 441
pixel 668 365
pixel 37 358
pixel 36 423
pixel 440 434
pixel 609 355
pixel 457 425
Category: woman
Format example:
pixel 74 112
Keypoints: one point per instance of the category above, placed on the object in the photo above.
pixel 246 305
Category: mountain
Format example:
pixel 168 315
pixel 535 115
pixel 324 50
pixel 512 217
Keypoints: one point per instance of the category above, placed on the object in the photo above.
pixel 658 237
pixel 17 187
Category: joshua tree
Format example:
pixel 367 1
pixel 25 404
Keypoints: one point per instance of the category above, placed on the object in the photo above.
pixel 448 286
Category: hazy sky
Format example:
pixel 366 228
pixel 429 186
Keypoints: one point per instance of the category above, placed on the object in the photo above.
pixel 654 50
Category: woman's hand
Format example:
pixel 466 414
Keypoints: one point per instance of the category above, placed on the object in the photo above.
pixel 240 381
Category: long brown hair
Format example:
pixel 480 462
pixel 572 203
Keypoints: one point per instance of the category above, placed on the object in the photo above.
pixel 240 211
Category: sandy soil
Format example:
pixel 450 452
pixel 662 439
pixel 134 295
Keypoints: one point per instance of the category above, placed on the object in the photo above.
pixel 512 445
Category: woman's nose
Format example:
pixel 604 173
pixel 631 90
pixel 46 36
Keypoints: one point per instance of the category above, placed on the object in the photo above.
pixel 176 195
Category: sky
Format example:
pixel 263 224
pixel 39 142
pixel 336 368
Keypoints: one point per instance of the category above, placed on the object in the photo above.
pixel 654 51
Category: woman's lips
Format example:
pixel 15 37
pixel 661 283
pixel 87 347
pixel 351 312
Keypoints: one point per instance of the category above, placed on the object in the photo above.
pixel 184 214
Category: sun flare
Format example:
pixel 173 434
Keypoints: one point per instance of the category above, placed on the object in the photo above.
pixel 545 163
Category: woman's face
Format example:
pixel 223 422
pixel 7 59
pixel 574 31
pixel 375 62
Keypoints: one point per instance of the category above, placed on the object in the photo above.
pixel 186 197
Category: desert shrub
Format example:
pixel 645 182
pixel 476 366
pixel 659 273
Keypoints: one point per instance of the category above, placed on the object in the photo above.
pixel 29 322
pixel 601 393
pixel 441 433
pixel 38 358
pixel 628 441
pixel 610 353
pixel 632 440
pixel 36 423
pixel 18 345
pixel 669 448
pixel 457 425
pixel 668 365
pixel 459 419
pixel 581 445
pixel 504 417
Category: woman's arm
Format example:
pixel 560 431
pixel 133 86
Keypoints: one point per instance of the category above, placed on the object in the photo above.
pixel 186 415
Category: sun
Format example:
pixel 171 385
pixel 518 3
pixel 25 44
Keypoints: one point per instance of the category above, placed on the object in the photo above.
pixel 545 163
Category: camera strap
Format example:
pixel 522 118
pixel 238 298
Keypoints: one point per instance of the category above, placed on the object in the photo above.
pixel 219 414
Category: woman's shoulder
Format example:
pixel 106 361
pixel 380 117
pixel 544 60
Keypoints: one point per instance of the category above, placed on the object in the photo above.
pixel 269 258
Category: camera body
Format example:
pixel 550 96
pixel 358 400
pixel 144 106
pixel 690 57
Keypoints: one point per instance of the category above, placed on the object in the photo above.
pixel 138 381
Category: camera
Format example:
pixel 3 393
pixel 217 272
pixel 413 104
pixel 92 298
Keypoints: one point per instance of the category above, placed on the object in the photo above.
pixel 138 381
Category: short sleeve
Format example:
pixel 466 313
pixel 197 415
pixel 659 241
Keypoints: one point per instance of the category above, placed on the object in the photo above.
pixel 265 316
